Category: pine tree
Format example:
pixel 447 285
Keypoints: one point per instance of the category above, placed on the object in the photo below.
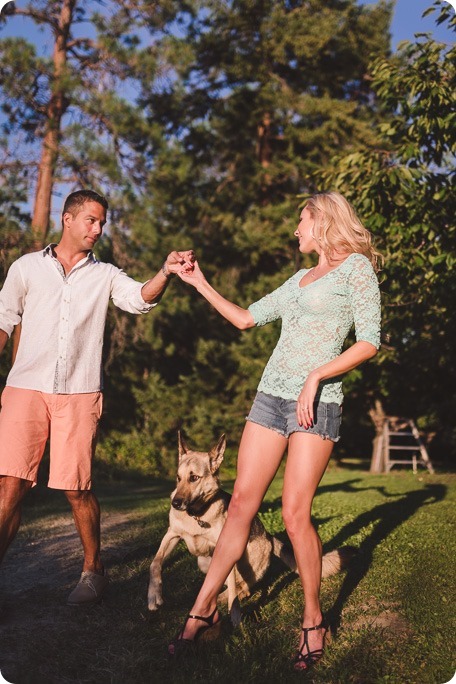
pixel 70 110
pixel 261 95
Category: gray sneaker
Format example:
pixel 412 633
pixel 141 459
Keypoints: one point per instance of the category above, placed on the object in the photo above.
pixel 89 589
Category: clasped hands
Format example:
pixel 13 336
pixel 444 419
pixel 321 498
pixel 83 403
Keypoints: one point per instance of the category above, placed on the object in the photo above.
pixel 185 265
pixel 177 262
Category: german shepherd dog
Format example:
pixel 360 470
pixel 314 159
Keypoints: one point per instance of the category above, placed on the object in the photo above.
pixel 198 512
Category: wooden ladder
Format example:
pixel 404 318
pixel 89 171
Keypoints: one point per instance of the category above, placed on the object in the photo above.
pixel 401 436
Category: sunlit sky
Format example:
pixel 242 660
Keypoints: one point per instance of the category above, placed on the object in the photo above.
pixel 407 21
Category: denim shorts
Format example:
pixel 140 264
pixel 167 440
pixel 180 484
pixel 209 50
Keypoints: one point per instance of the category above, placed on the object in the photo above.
pixel 279 414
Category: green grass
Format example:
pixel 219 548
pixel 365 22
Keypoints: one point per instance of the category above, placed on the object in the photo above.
pixel 393 612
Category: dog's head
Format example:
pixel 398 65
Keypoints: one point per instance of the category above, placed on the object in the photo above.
pixel 197 477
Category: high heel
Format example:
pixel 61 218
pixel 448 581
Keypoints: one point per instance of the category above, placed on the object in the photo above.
pixel 179 643
pixel 310 658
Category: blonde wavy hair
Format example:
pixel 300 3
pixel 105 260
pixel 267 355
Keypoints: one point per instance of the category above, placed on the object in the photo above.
pixel 338 229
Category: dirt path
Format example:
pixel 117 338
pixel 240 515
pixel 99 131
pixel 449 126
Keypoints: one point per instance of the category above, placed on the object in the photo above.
pixel 36 576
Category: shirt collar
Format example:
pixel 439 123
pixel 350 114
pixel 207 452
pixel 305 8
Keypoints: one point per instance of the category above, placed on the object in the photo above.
pixel 48 250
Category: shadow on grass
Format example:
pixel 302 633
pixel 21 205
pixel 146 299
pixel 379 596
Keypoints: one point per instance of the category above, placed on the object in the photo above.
pixel 386 517
pixel 337 487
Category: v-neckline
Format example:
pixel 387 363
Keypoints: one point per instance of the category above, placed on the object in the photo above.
pixel 303 287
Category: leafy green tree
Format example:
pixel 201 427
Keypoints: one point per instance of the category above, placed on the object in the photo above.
pixel 403 190
pixel 260 96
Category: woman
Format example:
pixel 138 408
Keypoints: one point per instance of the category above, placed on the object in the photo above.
pixel 298 404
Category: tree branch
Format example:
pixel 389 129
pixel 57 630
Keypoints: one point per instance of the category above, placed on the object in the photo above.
pixel 39 17
pixel 87 42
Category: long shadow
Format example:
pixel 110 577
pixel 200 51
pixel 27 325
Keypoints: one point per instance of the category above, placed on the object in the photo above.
pixel 387 516
pixel 347 487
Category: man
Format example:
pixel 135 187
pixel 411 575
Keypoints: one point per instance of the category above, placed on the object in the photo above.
pixel 60 295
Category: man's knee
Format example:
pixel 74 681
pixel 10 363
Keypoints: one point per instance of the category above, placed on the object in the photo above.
pixel 79 497
pixel 12 491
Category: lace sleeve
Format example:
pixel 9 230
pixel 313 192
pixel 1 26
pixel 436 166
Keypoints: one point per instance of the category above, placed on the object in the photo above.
pixel 269 308
pixel 365 301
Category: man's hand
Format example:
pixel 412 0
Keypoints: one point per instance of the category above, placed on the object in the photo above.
pixel 178 261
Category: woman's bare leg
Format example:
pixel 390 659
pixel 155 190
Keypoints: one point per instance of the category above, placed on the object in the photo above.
pixel 308 456
pixel 260 454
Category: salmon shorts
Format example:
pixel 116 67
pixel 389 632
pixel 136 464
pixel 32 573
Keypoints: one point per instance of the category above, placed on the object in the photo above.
pixel 28 418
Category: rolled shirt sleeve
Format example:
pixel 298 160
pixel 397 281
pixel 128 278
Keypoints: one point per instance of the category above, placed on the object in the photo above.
pixel 12 297
pixel 63 319
pixel 126 294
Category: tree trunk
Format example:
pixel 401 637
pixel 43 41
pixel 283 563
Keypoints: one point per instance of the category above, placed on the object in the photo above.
pixel 378 417
pixel 264 152
pixel 50 147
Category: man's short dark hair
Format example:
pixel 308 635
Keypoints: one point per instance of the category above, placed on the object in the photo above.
pixel 75 201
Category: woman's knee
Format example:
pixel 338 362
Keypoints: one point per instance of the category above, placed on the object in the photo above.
pixel 240 507
pixel 297 521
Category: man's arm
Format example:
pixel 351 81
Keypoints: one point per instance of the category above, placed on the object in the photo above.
pixel 3 340
pixel 153 290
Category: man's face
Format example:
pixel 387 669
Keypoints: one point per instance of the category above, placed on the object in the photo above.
pixel 84 229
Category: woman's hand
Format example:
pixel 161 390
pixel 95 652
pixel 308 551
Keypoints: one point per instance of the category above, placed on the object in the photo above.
pixel 305 405
pixel 175 261
pixel 192 275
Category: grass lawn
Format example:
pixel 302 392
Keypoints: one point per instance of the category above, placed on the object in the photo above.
pixel 393 612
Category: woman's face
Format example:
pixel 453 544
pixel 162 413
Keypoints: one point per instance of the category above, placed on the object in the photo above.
pixel 304 233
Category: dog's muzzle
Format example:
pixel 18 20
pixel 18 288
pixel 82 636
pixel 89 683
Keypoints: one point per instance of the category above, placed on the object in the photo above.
pixel 178 504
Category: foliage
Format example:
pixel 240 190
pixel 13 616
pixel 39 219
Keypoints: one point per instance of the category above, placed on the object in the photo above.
pixel 69 110
pixel 205 123
pixel 403 189
pixel 260 95
pixel 384 629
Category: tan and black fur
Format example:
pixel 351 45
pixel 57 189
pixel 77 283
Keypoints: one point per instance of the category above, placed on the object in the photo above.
pixel 198 512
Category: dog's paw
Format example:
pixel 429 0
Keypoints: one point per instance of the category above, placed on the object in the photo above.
pixel 236 613
pixel 154 602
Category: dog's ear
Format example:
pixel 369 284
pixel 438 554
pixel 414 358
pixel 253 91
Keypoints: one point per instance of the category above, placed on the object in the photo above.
pixel 183 448
pixel 216 454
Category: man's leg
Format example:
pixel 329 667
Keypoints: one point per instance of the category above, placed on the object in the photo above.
pixel 24 429
pixel 74 426
pixel 86 514
pixel 12 491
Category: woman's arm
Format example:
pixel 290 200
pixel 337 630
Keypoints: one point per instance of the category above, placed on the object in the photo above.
pixel 351 358
pixel 153 290
pixel 239 317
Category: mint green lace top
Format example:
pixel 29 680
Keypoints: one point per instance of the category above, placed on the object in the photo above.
pixel 316 320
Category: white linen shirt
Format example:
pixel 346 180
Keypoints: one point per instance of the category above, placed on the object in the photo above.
pixel 63 319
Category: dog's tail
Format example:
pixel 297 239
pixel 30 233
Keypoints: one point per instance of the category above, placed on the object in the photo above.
pixel 337 560
pixel 332 562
